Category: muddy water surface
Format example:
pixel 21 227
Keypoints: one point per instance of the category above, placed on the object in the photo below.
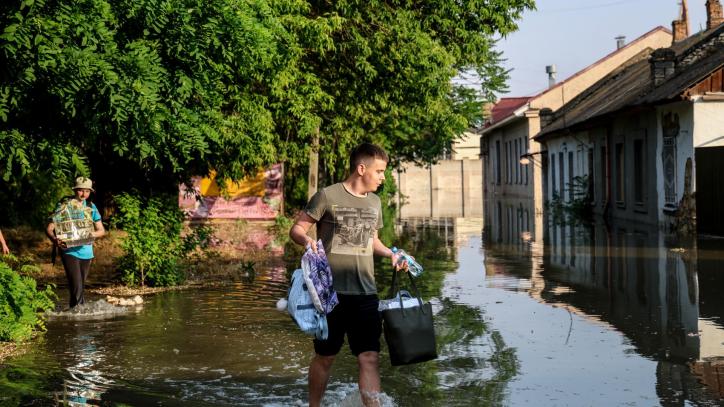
pixel 591 317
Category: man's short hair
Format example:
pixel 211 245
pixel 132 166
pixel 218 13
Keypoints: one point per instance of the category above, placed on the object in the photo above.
pixel 364 153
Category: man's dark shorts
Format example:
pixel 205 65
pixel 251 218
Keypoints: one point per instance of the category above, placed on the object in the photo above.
pixel 358 317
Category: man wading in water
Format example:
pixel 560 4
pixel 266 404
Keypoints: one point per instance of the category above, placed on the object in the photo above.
pixel 348 215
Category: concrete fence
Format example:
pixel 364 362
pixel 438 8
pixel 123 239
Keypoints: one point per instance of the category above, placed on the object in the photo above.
pixel 450 188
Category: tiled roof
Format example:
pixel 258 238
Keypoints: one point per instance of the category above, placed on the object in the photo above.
pixel 632 83
pixel 505 107
pixel 604 59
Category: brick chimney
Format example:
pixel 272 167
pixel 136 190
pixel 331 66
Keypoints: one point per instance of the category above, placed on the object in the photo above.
pixel 663 65
pixel 680 26
pixel 714 15
pixel 546 116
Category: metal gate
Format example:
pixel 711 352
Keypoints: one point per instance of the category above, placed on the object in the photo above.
pixel 710 190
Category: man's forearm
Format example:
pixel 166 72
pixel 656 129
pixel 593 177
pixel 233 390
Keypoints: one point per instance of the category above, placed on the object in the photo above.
pixel 380 249
pixel 299 235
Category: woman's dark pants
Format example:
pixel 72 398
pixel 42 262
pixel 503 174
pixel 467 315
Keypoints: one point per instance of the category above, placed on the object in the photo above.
pixel 76 270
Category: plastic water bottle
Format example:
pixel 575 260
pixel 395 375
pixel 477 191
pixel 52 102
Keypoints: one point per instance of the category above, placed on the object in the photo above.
pixel 413 267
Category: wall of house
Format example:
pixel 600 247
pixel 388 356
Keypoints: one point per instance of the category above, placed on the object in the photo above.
pixel 676 119
pixel 709 128
pixel 630 175
pixel 574 152
pixel 506 176
pixel 633 156
pixel 601 169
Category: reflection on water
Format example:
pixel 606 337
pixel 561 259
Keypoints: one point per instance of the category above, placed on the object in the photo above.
pixel 230 346
pixel 632 279
pixel 525 315
pixel 85 383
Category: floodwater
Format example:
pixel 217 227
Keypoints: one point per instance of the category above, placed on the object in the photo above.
pixel 525 316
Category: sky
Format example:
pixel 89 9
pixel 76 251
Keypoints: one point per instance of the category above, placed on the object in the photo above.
pixel 572 34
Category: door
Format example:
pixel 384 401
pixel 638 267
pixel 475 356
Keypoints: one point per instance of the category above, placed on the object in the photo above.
pixel 709 191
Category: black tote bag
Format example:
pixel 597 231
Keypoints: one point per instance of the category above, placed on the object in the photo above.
pixel 409 331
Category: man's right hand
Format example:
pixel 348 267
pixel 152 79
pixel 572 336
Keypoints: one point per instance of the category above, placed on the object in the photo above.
pixel 313 244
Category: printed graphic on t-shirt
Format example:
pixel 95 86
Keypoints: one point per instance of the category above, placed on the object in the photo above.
pixel 353 228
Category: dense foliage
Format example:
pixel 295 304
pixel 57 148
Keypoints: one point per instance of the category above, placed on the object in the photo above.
pixel 21 302
pixel 386 68
pixel 146 93
pixel 154 248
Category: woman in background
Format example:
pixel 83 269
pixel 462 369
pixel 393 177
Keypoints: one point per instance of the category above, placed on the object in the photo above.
pixel 77 259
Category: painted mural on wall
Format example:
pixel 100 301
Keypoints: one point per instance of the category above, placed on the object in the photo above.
pixel 259 197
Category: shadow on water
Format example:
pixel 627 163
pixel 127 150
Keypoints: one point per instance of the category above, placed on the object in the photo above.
pixel 229 346
pixel 660 292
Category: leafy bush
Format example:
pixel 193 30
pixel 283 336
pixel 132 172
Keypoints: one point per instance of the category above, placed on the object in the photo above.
pixel 154 247
pixel 20 301
pixel 280 229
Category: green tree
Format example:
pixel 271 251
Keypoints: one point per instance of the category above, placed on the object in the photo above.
pixel 384 70
pixel 147 93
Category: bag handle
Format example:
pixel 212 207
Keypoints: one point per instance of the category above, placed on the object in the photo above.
pixel 415 291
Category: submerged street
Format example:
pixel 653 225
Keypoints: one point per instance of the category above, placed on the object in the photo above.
pixel 554 166
pixel 601 317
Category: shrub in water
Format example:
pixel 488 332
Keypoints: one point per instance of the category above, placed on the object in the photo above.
pixel 154 247
pixel 21 303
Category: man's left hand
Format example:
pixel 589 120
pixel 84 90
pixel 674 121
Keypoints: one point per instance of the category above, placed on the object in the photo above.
pixel 398 262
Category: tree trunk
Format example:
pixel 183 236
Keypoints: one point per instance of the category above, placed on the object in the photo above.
pixel 313 180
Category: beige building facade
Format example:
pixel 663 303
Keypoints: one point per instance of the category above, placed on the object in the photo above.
pixel 648 139
pixel 509 135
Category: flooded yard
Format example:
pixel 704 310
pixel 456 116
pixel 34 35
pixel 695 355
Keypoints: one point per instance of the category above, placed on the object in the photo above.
pixel 559 316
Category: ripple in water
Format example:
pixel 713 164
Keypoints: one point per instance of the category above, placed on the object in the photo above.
pixel 93 310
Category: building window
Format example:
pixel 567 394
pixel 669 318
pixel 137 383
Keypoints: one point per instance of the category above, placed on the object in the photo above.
pixel 516 162
pixel 571 187
pixel 507 166
pixel 520 166
pixel 620 169
pixel 639 172
pixel 497 162
pixel 603 176
pixel 554 191
pixel 513 160
pixel 591 190
pixel 527 147
pixel 562 193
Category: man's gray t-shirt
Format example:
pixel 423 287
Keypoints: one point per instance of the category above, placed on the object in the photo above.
pixel 347 225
